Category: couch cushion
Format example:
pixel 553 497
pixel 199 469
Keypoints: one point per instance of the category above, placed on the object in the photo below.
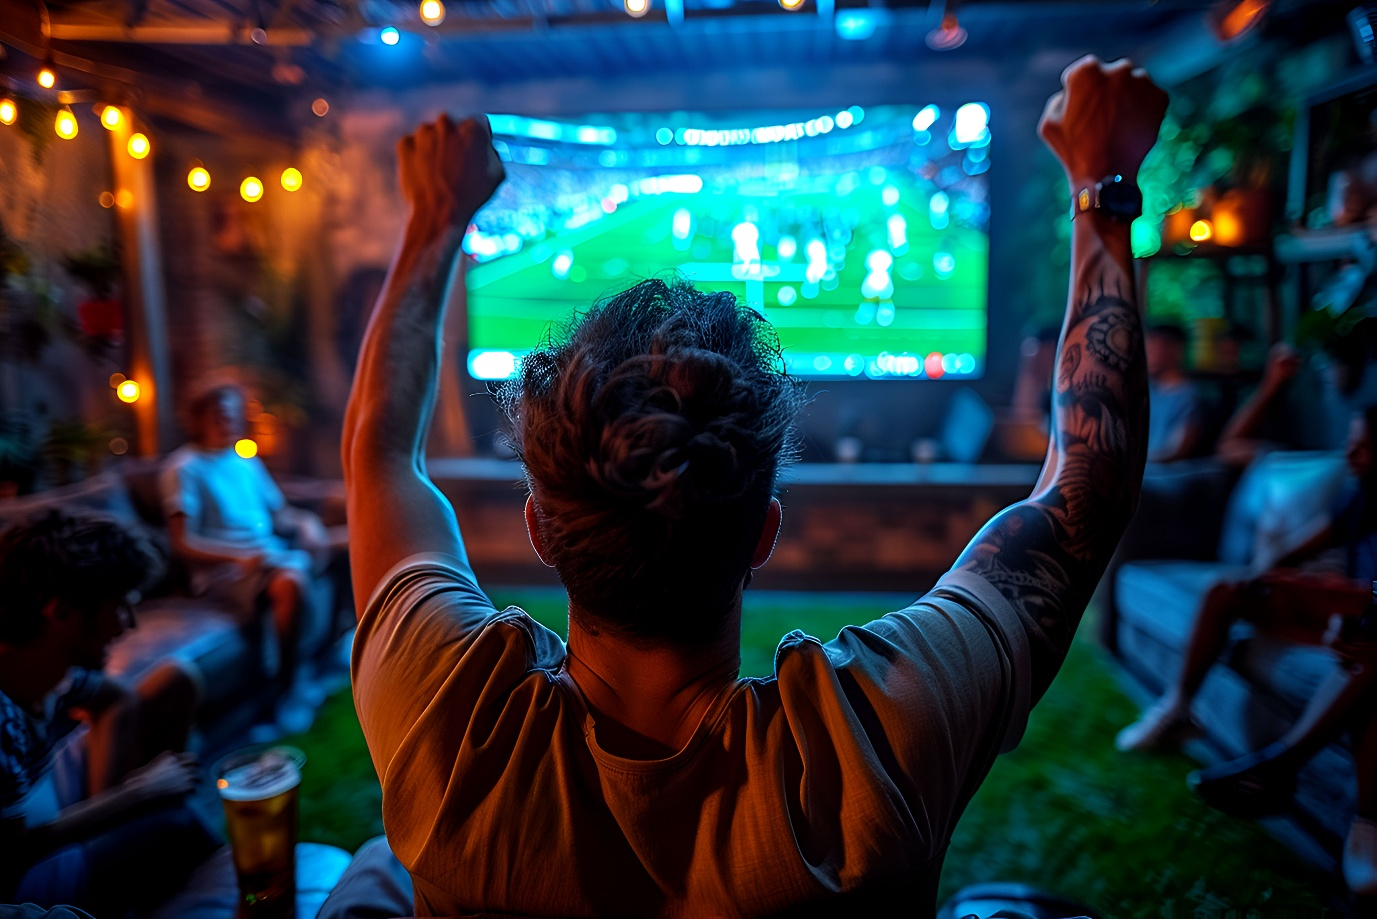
pixel 1280 502
pixel 220 652
pixel 1162 597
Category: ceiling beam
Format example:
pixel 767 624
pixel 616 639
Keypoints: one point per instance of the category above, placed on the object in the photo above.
pixel 176 32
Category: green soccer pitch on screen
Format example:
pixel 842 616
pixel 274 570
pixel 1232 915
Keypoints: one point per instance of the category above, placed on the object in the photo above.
pixel 861 234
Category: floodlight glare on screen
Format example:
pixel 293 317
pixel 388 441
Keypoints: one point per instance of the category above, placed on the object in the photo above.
pixel 860 234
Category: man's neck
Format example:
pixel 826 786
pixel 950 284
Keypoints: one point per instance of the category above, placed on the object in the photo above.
pixel 29 672
pixel 648 700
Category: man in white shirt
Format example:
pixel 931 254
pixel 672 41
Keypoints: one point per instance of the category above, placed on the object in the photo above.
pixel 227 521
pixel 630 771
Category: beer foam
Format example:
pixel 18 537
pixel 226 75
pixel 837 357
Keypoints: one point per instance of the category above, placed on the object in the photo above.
pixel 270 774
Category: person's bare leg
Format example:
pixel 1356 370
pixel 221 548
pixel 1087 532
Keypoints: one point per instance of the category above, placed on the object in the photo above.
pixel 1360 850
pixel 1222 606
pixel 1163 723
pixel 285 597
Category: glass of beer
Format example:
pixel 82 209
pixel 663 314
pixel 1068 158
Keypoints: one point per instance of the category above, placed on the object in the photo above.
pixel 258 787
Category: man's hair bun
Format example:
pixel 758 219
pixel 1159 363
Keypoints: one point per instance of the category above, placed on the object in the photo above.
pixel 652 431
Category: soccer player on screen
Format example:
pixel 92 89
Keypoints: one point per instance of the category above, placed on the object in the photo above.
pixel 631 772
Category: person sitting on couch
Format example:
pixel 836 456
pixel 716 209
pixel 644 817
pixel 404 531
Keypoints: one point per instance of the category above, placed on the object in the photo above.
pixel 227 519
pixel 92 777
pixel 1313 595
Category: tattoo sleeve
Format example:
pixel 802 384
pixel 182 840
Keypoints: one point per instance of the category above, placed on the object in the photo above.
pixel 1047 553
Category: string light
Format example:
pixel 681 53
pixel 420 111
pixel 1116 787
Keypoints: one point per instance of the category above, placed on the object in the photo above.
pixel 139 146
pixel 432 12
pixel 8 111
pixel 47 77
pixel 291 178
pixel 107 201
pixel 246 448
pixel 637 8
pixel 389 35
pixel 124 198
pixel 65 123
pixel 128 391
pixel 321 107
pixel 1201 231
pixel 791 5
pixel 251 189
pixel 110 116
pixel 198 178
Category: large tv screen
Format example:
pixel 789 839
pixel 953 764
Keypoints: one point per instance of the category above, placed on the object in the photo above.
pixel 861 234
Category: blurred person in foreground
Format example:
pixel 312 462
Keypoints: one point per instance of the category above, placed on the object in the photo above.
pixel 229 524
pixel 631 771
pixel 92 777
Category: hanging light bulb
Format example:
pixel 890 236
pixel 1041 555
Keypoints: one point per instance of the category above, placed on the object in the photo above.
pixel 291 178
pixel 636 8
pixel 8 111
pixel 389 35
pixel 65 124
pixel 47 76
pixel 139 146
pixel 251 189
pixel 198 178
pixel 432 12
pixel 111 116
pixel 791 5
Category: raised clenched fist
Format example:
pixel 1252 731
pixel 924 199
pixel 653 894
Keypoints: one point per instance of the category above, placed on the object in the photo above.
pixel 447 172
pixel 1103 121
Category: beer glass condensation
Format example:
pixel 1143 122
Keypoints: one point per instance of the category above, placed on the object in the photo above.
pixel 258 787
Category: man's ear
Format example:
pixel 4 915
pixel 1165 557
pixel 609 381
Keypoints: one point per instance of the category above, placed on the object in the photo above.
pixel 769 534
pixel 533 531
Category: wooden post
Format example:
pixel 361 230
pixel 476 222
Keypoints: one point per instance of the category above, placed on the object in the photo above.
pixel 145 296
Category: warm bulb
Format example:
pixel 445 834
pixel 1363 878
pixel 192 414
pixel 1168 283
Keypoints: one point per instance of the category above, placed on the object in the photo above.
pixel 291 178
pixel 66 124
pixel 1201 230
pixel 246 448
pixel 251 189
pixel 110 117
pixel 432 12
pixel 139 146
pixel 128 391
pixel 637 7
pixel 791 5
pixel 8 111
pixel 47 78
pixel 198 178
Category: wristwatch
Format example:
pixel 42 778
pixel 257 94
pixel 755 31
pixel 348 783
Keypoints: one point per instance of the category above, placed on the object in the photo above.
pixel 1111 196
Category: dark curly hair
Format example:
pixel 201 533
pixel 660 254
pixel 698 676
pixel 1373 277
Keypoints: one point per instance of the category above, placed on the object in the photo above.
pixel 82 560
pixel 652 429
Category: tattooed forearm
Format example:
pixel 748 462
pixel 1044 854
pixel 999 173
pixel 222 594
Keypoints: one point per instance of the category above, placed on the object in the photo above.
pixel 1046 554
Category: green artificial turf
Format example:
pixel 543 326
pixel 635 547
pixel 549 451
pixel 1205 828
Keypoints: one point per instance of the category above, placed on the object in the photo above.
pixel 1065 811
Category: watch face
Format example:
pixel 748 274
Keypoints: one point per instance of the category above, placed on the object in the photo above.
pixel 1121 200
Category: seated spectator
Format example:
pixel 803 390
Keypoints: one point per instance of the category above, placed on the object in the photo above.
pixel 1319 585
pixel 1177 423
pixel 1245 434
pixel 227 519
pixel 92 777
pixel 630 771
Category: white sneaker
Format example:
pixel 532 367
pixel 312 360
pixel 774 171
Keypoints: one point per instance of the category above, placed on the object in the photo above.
pixel 1360 857
pixel 1164 725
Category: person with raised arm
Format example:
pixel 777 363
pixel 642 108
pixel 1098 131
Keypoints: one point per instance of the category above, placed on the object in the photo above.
pixel 630 771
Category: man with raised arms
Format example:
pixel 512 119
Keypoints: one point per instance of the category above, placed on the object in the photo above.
pixel 631 771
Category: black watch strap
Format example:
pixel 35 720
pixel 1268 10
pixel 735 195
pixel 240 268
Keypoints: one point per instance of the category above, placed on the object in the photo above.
pixel 1112 196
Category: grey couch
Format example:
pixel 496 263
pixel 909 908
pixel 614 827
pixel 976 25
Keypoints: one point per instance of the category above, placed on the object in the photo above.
pixel 1198 523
